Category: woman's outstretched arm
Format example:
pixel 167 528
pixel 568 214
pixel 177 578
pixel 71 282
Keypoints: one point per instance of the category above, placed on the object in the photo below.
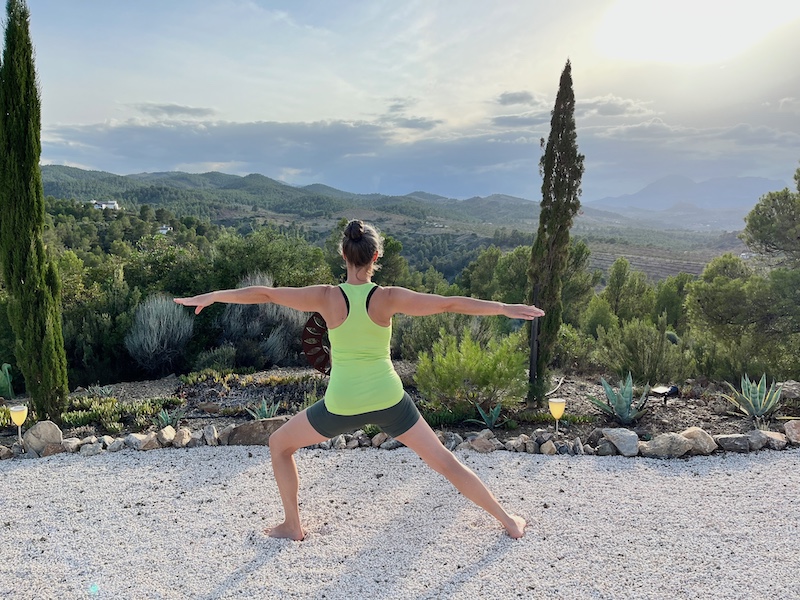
pixel 307 299
pixel 401 300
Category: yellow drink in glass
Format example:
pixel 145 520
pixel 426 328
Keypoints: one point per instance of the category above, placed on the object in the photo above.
pixel 557 406
pixel 18 414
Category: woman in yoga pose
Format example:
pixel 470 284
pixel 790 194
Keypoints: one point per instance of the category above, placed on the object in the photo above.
pixel 364 387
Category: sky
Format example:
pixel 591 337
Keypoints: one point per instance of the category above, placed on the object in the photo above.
pixel 450 97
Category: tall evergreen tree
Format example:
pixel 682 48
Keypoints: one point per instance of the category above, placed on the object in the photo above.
pixel 31 278
pixel 561 168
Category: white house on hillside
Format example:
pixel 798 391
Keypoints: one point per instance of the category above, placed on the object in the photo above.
pixel 112 204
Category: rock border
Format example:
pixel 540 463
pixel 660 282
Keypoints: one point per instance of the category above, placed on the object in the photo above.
pixel 45 439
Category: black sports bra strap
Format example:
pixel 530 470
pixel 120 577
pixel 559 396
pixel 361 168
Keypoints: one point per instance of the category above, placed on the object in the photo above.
pixel 369 296
pixel 346 300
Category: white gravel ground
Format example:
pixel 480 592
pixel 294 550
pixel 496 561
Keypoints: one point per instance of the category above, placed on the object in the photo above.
pixel 188 524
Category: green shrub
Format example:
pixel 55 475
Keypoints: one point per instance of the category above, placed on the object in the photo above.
pixel 264 410
pixel 458 374
pixel 441 417
pixel 371 430
pixel 413 335
pixel 755 400
pixel 643 349
pixel 164 418
pixel 264 335
pixel 573 352
pixel 160 332
pixel 220 359
pixel 598 314
pixel 620 405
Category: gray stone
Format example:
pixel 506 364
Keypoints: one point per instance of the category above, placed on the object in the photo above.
pixel 735 442
pixel 578 446
pixel 72 444
pixel 91 449
pixel 587 449
pixel 106 440
pixel 486 434
pixel 37 438
pixel 89 439
pixel 757 439
pixel 548 448
pixel 563 447
pixel 702 442
pixel 391 444
pixel 594 437
pixel 182 437
pixel 197 439
pixel 450 440
pixel 52 449
pixel 606 448
pixel 166 435
pixel 516 444
pixel 352 443
pixel 210 436
pixel 339 442
pixel 482 445
pixel 792 431
pixel 625 440
pixel 5 453
pixel 531 447
pixel 142 441
pixel 790 390
pixel 463 446
pixel 117 445
pixel 225 434
pixel 498 445
pixel 775 440
pixel 326 445
pixel 379 438
pixel 256 433
pixel 666 445
pixel 544 436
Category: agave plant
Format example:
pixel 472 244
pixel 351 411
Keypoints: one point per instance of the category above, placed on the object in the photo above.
pixel 490 419
pixel 264 411
pixel 620 405
pixel 755 400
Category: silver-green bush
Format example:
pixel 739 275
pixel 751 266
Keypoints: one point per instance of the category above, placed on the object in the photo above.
pixel 160 332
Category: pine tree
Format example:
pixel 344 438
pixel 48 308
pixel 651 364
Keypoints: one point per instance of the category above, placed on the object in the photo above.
pixel 30 277
pixel 561 168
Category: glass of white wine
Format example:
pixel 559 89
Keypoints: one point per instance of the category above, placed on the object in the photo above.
pixel 19 413
pixel 557 406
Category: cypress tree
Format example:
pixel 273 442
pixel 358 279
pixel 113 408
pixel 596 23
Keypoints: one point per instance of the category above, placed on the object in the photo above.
pixel 30 276
pixel 561 168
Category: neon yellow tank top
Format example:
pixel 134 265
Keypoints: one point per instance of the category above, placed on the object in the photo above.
pixel 363 378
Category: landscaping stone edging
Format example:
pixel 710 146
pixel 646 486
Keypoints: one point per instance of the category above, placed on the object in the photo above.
pixel 45 439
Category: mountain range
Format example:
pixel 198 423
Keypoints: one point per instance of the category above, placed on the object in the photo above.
pixel 673 202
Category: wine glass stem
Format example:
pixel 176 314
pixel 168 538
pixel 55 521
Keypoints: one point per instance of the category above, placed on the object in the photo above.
pixel 556 426
pixel 19 433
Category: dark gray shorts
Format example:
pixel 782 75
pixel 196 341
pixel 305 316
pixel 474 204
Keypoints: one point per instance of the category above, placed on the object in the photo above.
pixel 395 420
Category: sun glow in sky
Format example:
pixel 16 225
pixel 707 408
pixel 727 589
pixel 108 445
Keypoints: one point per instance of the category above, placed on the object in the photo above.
pixel 689 32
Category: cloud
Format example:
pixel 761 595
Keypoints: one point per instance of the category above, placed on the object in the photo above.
pixel 415 123
pixel 790 105
pixel 509 98
pixel 172 111
pixel 612 106
pixel 521 120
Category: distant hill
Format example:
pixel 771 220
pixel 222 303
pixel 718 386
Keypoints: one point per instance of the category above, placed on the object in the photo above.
pixel 680 202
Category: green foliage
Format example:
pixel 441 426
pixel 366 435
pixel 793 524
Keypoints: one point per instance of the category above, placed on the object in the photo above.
pixel 5 416
pixel 641 348
pixel 755 400
pixel 263 410
pixel 34 287
pixel 489 418
pixel 219 359
pixel 599 314
pixel 620 405
pixel 163 418
pixel 458 373
pixel 412 335
pixel 670 297
pixel 438 416
pixel 263 335
pixel 160 332
pixel 371 430
pixel 561 167
pixel 574 352
pixel 773 226
pixel 628 292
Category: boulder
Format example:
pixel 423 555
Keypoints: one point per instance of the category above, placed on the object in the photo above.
pixel 52 449
pixel 72 444
pixel 666 445
pixel 255 433
pixel 606 448
pixel 210 436
pixel 38 437
pixel 548 448
pixel 482 445
pixel 790 390
pixel 117 445
pixel 182 438
pixel 702 442
pixel 5 453
pixel 91 449
pixel 775 440
pixel 757 439
pixel 792 430
pixel 624 440
pixel 166 435
pixel 142 441
pixel 225 434
pixel 379 438
pixel 735 442
pixel 391 444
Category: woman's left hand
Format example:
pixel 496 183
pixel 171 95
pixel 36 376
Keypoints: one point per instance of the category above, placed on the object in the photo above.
pixel 200 301
pixel 522 311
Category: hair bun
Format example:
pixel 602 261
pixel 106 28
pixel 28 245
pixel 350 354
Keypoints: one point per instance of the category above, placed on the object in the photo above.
pixel 354 230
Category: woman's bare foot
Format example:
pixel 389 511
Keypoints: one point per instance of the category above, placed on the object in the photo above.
pixel 285 531
pixel 516 528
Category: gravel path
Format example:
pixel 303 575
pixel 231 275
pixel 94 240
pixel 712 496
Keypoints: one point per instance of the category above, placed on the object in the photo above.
pixel 187 524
